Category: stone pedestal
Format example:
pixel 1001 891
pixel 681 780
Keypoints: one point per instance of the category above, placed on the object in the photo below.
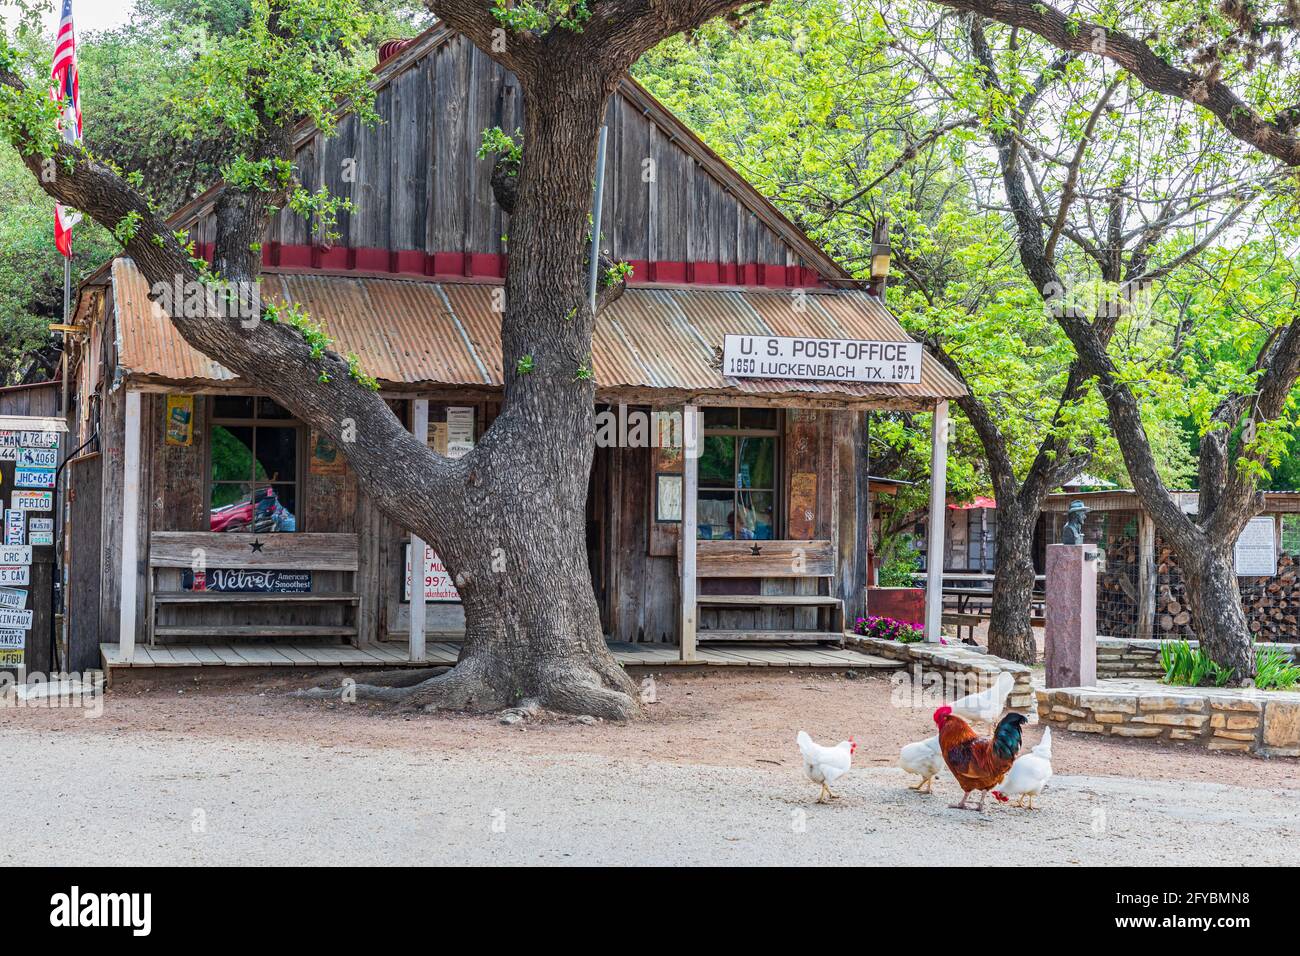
pixel 1071 615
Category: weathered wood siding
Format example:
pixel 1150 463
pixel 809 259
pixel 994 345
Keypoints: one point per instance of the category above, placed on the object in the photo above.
pixel 641 593
pixel 417 184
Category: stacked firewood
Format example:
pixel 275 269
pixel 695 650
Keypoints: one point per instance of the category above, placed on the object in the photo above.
pixel 1272 604
pixel 1117 597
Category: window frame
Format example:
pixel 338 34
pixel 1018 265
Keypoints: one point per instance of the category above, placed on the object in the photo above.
pixel 255 422
pixel 777 433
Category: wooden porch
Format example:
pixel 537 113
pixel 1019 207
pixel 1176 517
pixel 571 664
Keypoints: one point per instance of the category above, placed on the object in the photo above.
pixel 372 656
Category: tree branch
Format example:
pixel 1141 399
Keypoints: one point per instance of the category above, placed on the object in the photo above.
pixel 1077 35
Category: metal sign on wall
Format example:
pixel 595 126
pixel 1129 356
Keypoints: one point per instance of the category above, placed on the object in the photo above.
pixel 821 360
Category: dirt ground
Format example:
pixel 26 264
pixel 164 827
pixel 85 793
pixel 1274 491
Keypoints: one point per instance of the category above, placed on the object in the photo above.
pixel 734 719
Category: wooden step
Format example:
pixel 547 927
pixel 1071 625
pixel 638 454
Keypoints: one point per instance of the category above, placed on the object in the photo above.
pixel 255 597
pixel 220 631
pixel 817 637
pixel 768 600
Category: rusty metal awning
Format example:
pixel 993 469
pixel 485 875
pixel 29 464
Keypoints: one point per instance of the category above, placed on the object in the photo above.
pixel 654 345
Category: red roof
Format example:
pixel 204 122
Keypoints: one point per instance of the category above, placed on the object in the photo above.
pixel 980 502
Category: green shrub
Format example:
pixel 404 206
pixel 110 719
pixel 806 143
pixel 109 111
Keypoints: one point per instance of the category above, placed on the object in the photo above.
pixel 900 565
pixel 1274 670
pixel 1189 667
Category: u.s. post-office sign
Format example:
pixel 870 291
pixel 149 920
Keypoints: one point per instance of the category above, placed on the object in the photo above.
pixel 821 360
pixel 33 501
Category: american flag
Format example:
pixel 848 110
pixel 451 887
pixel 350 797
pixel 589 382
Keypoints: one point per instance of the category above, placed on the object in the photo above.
pixel 65 88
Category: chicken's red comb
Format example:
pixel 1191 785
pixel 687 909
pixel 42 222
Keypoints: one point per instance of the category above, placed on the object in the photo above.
pixel 999 797
pixel 853 746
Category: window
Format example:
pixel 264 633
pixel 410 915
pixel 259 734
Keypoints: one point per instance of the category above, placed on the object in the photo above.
pixel 738 474
pixel 253 466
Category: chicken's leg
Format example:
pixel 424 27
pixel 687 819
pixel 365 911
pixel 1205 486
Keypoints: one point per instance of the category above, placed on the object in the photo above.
pixel 929 785
pixel 960 804
pixel 984 795
pixel 821 797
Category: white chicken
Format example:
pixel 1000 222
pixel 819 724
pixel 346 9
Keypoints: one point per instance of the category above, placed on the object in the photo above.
pixel 988 704
pixel 1029 774
pixel 924 759
pixel 825 765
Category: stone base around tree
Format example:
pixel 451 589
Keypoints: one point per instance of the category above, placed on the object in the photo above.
pixel 1265 723
pixel 975 669
pixel 1119 657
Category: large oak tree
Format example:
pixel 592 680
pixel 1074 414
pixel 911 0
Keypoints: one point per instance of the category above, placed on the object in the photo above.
pixel 508 518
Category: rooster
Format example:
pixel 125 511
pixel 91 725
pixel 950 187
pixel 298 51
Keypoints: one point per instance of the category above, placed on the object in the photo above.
pixel 825 765
pixel 1029 774
pixel 978 763
pixel 924 759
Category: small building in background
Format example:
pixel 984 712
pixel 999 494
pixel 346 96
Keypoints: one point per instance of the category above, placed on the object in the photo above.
pixel 1141 590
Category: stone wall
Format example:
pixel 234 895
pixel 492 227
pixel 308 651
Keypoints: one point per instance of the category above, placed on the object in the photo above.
pixel 977 669
pixel 1119 657
pixel 1220 719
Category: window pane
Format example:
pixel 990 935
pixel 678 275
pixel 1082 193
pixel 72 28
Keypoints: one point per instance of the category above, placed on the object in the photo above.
pixel 232 508
pixel 715 515
pixel 276 509
pixel 756 515
pixel 277 454
pixel 757 463
pixel 232 406
pixel 718 462
pixel 719 418
pixel 267 408
pixel 764 418
pixel 232 453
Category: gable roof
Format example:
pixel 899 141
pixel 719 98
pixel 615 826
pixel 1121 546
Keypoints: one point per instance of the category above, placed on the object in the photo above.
pixel 392 69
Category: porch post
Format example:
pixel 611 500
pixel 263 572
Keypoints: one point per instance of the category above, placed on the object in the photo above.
pixel 130 527
pixel 938 514
pixel 690 482
pixel 415 639
pixel 1146 582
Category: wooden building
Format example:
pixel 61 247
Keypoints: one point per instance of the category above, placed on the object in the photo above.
pixel 764 531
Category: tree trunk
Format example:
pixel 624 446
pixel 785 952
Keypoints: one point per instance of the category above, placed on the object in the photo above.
pixel 1010 635
pixel 1217 615
pixel 515 541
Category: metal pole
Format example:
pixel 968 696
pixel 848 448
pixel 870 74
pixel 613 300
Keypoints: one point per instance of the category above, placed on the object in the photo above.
pixel 938 515
pixel 593 271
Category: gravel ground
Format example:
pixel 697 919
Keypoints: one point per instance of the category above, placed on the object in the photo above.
pixel 117 799
pixel 231 771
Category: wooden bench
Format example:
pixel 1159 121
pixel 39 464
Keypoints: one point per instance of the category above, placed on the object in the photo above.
pixel 968 621
pixel 807 560
pixel 171 553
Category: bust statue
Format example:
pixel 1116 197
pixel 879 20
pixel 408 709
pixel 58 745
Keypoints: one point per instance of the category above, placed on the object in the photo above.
pixel 1072 533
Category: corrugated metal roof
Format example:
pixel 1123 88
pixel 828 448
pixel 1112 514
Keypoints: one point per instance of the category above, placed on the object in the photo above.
pixel 410 333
